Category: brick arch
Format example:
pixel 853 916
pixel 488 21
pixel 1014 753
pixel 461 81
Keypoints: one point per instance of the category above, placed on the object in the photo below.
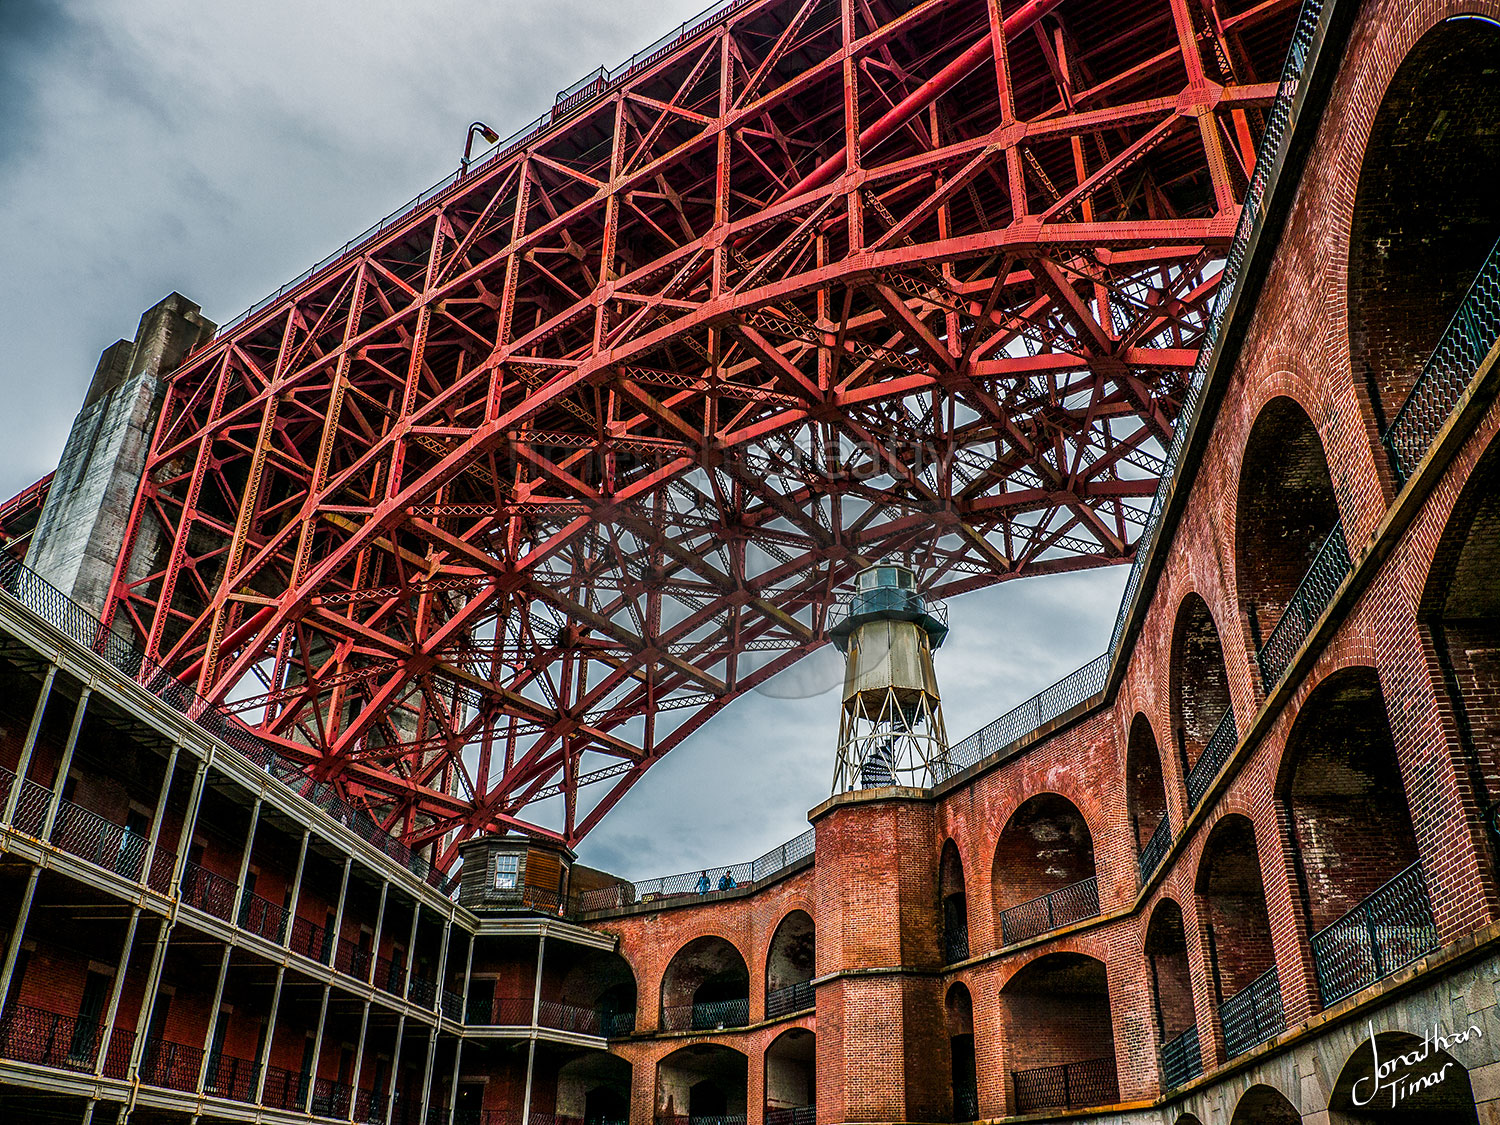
pixel 593 1087
pixel 1055 1013
pixel 1236 923
pixel 1045 852
pixel 790 963
pixel 958 1016
pixel 953 903
pixel 1166 952
pixel 704 985
pixel 790 1076
pixel 1198 680
pixel 1145 782
pixel 702 1080
pixel 1425 212
pixel 1284 511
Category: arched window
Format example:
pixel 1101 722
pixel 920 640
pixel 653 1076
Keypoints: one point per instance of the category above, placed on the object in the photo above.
pixel 1355 850
pixel 1426 211
pixel 958 1007
pixel 1360 1098
pixel 595 1089
pixel 706 986
pixel 1043 875
pixel 1172 995
pixel 1286 528
pixel 1060 1033
pixel 1202 719
pixel 1242 961
pixel 955 905
pixel 704 1080
pixel 791 1078
pixel 789 966
pixel 1146 794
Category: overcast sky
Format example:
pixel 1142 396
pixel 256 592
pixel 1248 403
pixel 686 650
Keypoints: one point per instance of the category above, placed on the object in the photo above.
pixel 219 149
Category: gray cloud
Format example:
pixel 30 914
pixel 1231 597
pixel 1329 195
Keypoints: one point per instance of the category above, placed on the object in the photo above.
pixel 219 150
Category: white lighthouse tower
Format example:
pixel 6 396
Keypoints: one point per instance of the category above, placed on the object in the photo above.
pixel 891 730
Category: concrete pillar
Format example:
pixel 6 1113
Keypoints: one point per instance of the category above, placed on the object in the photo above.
pixel 81 531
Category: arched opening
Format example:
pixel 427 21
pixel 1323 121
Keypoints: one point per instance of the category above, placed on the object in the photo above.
pixel 1353 844
pixel 1461 614
pixel 705 1080
pixel 1188 1119
pixel 1061 1035
pixel 706 986
pixel 1387 1083
pixel 1202 721
pixel 1283 520
pixel 1426 211
pixel 598 990
pixel 791 1078
pixel 1242 961
pixel 958 1008
pixel 594 1089
pixel 955 905
pixel 1043 875
pixel 1265 1105
pixel 1172 995
pixel 1146 795
pixel 789 966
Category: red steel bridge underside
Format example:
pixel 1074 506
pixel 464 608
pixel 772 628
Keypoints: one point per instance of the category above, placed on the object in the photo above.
pixel 490 513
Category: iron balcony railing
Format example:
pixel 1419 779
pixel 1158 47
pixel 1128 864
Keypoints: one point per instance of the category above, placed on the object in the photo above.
pixel 709 1015
pixel 1220 745
pixel 792 1115
pixel 42 1038
pixel 172 1066
pixel 1181 1059
pixel 1253 1015
pixel 616 1025
pixel 1328 570
pixel 229 1077
pixel 390 974
pixel 1060 908
pixel 285 1089
pixel 687 884
pixel 955 945
pixel 421 991
pixel 1066 1086
pixel 1390 928
pixel 1156 849
pixel 1028 717
pixel 701 1119
pixel 310 940
pixel 793 998
pixel 49 603
pixel 100 841
pixel 965 1103
pixel 1468 338
pixel 207 890
pixel 31 808
pixel 453 1004
pixel 1252 211
pixel 330 1098
pixel 352 958
pixel 262 917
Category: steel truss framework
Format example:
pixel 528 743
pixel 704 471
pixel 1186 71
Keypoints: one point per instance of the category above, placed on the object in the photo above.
pixel 511 499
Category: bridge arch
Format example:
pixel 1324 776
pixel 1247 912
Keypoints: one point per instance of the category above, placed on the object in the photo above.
pixel 1171 977
pixel 1425 210
pixel 1447 1100
pixel 1265 1105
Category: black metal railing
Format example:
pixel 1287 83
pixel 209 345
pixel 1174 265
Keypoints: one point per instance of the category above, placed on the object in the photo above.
pixel 352 958
pixel 689 884
pixel 390 974
pixel 694 1119
pixel 453 1004
pixel 285 1089
pixel 310 940
pixel 172 1066
pixel 1252 211
pixel 1220 745
pixel 1066 1086
pixel 53 606
pixel 955 944
pixel 1467 339
pixel 421 991
pixel 616 1025
pixel 1028 717
pixel 209 891
pixel 708 1015
pixel 568 1017
pixel 793 998
pixel 34 1035
pixel 1390 928
pixel 226 1076
pixel 965 1103
pixel 1060 908
pixel 792 1115
pixel 1181 1059
pixel 1156 849
pixel 330 1098
pixel 1328 570
pixel 98 840
pixel 262 917
pixel 1253 1015
pixel 31 808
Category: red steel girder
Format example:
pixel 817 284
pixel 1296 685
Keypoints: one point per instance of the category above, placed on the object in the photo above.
pixel 506 502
